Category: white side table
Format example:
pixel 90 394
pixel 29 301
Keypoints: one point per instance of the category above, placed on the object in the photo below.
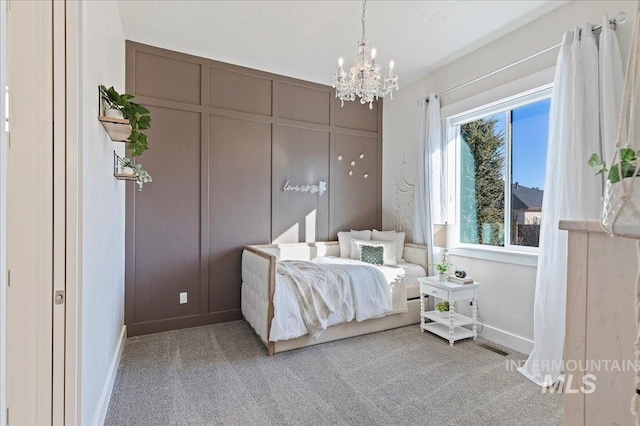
pixel 450 326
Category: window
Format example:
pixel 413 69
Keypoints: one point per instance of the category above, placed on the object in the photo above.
pixel 502 151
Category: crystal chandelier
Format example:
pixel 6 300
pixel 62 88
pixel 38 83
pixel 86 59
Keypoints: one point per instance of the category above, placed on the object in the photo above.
pixel 364 79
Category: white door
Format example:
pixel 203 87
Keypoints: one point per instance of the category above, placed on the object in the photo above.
pixel 31 190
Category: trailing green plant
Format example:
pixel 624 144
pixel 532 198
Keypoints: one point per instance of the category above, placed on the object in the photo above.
pixel 142 175
pixel 442 306
pixel 442 268
pixel 626 167
pixel 138 117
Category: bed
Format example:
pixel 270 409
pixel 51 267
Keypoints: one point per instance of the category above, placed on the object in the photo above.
pixel 259 264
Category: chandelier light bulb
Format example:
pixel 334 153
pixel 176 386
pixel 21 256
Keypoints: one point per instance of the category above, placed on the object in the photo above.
pixel 340 62
pixel 373 53
pixel 391 64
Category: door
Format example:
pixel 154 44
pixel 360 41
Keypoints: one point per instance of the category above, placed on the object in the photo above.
pixel 32 188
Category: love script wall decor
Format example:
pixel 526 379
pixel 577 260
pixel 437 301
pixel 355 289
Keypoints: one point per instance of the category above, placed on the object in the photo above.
pixel 319 189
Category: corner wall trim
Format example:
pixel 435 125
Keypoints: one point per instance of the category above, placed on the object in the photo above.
pixel 506 339
pixel 103 405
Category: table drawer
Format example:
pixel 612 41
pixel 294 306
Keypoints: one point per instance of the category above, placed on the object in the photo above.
pixel 434 291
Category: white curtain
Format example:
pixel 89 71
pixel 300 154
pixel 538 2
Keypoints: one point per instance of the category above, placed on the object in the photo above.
pixel 429 193
pixel 572 191
pixel 611 77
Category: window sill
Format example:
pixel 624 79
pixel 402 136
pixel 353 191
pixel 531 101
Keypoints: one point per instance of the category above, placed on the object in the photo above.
pixel 497 255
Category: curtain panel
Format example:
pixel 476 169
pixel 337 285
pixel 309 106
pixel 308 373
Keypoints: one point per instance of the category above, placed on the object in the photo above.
pixel 583 110
pixel 430 205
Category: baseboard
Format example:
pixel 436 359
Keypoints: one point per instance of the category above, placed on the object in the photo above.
pixel 157 326
pixel 506 339
pixel 105 397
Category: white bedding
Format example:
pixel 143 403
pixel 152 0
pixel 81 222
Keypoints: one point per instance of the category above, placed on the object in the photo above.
pixel 375 291
pixel 411 273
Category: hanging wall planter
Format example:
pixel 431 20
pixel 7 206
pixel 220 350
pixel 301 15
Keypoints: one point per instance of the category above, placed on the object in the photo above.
pixel 125 169
pixel 124 120
pixel 118 129
pixel 121 169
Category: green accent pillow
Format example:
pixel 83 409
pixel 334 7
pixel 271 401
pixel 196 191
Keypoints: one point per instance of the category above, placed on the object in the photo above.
pixel 372 254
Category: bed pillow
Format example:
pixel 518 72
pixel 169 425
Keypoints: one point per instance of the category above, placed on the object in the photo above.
pixel 345 237
pixel 397 237
pixel 372 254
pixel 364 235
pixel 389 255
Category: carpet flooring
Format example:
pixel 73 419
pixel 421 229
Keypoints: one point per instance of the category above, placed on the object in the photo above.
pixel 220 375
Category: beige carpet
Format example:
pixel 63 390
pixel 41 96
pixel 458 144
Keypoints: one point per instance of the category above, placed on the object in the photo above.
pixel 220 375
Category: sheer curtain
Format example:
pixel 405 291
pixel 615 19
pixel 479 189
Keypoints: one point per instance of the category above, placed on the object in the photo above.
pixel 429 194
pixel 612 77
pixel 572 191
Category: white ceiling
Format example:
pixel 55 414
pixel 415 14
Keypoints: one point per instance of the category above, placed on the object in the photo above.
pixel 303 39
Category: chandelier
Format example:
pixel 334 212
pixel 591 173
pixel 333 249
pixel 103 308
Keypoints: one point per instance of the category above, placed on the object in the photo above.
pixel 364 79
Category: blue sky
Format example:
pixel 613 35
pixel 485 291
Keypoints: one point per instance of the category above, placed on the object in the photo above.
pixel 530 129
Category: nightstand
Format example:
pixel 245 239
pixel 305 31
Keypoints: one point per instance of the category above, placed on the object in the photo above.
pixel 451 326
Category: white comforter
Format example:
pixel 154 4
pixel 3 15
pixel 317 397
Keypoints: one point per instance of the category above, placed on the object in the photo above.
pixel 374 291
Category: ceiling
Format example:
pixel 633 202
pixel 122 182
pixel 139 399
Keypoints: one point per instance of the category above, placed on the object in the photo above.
pixel 303 39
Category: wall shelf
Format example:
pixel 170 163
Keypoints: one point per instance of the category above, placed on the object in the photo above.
pixel 118 129
pixel 118 163
pixel 122 176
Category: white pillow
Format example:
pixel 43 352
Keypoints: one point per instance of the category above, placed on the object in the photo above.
pixel 345 237
pixel 389 250
pixel 364 235
pixel 398 237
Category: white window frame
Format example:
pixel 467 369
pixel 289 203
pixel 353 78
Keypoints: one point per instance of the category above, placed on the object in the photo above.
pixel 498 253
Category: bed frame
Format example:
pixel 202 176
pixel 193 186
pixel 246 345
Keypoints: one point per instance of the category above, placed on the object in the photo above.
pixel 259 282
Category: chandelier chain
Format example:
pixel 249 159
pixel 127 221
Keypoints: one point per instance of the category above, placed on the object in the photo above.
pixel 364 7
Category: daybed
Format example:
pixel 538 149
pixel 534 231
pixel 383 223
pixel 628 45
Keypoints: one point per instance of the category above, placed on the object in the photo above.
pixel 259 263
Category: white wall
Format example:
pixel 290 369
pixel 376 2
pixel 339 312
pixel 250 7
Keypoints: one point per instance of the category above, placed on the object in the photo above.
pixel 506 294
pixel 103 212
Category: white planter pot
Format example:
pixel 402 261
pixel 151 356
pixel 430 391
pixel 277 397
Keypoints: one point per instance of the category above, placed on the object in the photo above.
pixel 127 171
pixel 442 277
pixel 113 113
pixel 618 216
pixel 444 314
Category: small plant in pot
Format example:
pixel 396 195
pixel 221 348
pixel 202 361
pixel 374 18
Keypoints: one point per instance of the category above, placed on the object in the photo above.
pixel 442 269
pixel 443 308
pixel 138 116
pixel 627 166
pixel 142 175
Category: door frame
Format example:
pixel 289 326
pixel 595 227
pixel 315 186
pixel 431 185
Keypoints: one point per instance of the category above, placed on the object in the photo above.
pixel 3 210
pixel 73 215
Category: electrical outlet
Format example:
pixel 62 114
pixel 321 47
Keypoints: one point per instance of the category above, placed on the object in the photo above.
pixel 183 297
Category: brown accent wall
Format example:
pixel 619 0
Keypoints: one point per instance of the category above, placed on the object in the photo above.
pixel 223 141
